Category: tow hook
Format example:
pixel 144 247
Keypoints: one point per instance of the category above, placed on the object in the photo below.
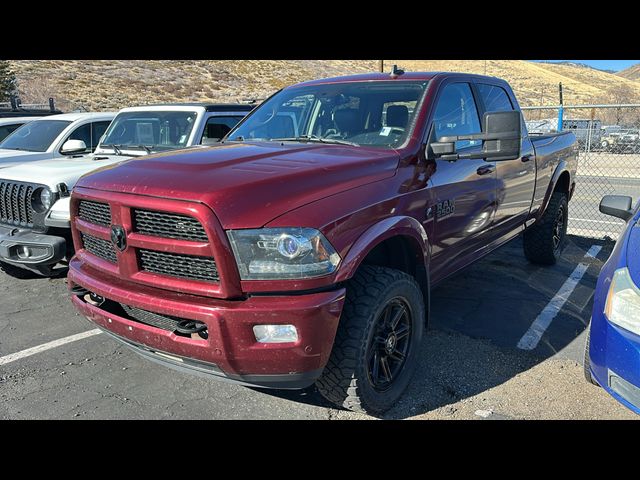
pixel 87 296
pixel 192 328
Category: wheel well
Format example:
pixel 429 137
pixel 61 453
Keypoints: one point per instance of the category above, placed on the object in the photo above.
pixel 563 183
pixel 405 254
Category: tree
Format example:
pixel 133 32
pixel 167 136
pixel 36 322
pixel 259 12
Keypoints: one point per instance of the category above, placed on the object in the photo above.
pixel 621 94
pixel 7 81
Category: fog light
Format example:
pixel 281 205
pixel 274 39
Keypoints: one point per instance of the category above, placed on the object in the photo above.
pixel 24 252
pixel 275 333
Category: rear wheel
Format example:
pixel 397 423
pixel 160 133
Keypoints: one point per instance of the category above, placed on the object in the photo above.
pixel 377 341
pixel 545 240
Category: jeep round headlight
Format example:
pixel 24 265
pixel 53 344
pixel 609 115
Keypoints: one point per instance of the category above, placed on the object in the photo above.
pixel 282 253
pixel 41 199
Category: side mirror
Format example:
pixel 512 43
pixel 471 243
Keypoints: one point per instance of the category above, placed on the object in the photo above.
pixel 501 139
pixel 617 206
pixel 73 146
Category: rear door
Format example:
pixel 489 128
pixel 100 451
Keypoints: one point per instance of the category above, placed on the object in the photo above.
pixel 516 179
pixel 463 191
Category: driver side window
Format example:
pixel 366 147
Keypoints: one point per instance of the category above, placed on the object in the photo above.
pixel 456 114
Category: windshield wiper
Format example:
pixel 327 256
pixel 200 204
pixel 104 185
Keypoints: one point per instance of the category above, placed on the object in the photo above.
pixel 115 148
pixel 315 138
pixel 147 149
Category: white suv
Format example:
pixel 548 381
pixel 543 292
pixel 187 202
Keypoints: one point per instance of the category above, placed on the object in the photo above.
pixel 54 137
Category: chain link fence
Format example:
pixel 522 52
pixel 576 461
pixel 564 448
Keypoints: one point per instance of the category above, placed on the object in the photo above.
pixel 608 139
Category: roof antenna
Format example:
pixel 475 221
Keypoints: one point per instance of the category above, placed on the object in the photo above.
pixel 396 72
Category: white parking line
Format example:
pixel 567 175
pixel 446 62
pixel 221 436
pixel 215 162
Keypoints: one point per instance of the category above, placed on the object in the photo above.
pixel 530 339
pixel 46 346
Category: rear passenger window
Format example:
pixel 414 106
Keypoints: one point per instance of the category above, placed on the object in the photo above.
pixel 495 98
pixel 456 114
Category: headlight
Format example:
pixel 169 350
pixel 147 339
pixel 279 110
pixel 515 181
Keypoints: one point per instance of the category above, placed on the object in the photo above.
pixel 623 302
pixel 282 253
pixel 41 199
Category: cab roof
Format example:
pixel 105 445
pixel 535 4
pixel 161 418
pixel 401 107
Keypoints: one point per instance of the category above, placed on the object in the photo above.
pixel 385 76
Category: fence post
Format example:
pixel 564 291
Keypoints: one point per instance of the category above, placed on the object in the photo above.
pixel 561 109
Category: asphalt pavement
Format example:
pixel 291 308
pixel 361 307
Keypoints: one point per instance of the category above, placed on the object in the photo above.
pixel 470 364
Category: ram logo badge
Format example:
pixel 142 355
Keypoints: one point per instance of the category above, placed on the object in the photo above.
pixel 445 208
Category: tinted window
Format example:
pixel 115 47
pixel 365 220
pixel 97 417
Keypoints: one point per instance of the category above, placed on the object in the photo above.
pixel 374 113
pixel 456 113
pixel 97 131
pixel 5 130
pixel 36 136
pixel 495 98
pixel 218 127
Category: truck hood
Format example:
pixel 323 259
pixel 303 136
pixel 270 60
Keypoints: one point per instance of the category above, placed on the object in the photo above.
pixel 60 170
pixel 248 184
pixel 9 158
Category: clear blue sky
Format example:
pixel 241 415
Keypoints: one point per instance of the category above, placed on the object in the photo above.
pixel 604 64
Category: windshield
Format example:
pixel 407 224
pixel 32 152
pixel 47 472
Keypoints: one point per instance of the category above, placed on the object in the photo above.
pixel 378 114
pixel 148 131
pixel 36 136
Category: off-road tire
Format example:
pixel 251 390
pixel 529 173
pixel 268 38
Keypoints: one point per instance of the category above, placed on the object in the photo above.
pixel 586 363
pixel 345 380
pixel 539 239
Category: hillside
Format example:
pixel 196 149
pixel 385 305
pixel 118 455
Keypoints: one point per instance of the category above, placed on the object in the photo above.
pixel 631 73
pixel 104 85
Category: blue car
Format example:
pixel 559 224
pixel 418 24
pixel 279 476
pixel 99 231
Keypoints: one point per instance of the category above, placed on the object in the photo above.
pixel 612 353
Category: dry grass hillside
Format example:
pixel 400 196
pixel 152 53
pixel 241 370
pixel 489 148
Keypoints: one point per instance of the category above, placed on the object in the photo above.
pixel 631 73
pixel 537 83
pixel 105 85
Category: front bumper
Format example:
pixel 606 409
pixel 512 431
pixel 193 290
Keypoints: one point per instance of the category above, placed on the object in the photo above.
pixel 230 351
pixel 615 361
pixel 45 249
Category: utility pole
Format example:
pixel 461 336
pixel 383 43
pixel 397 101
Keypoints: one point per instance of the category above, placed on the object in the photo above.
pixel 381 65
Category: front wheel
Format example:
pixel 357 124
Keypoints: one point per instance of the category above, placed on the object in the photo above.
pixel 544 241
pixel 377 342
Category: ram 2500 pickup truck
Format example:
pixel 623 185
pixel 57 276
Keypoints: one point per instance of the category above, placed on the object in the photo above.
pixel 304 248
pixel 34 198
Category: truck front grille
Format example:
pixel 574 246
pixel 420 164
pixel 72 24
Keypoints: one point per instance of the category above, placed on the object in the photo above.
pixel 169 225
pixel 94 212
pixel 99 247
pixel 175 265
pixel 15 204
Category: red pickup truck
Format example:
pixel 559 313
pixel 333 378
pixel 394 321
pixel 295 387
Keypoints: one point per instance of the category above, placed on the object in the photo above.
pixel 304 248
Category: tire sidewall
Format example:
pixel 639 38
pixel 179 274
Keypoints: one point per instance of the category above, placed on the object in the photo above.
pixel 379 401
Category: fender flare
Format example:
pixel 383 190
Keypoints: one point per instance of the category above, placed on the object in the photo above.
pixel 376 234
pixel 562 167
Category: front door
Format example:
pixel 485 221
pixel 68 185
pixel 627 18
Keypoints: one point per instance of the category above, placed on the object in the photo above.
pixel 463 193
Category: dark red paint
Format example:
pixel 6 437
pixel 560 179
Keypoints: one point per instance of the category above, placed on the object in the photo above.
pixel 357 196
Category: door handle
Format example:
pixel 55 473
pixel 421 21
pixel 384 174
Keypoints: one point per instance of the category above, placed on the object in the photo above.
pixel 485 169
pixel 526 158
